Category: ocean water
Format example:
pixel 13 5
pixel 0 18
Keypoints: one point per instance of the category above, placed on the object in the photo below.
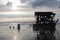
pixel 25 32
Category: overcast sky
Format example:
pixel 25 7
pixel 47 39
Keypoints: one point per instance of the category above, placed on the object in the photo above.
pixel 30 4
pixel 42 5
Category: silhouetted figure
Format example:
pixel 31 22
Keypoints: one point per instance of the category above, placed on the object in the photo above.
pixel 18 27
pixel 10 27
pixel 13 27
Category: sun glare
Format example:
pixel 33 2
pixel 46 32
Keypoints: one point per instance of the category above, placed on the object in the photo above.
pixel 14 7
pixel 15 3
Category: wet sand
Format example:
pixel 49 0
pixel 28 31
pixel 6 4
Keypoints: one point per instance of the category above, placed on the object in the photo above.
pixel 25 33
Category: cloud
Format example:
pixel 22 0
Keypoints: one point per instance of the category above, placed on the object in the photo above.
pixel 23 1
pixel 58 4
pixel 49 3
pixel 3 2
pixel 32 4
pixel 39 3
